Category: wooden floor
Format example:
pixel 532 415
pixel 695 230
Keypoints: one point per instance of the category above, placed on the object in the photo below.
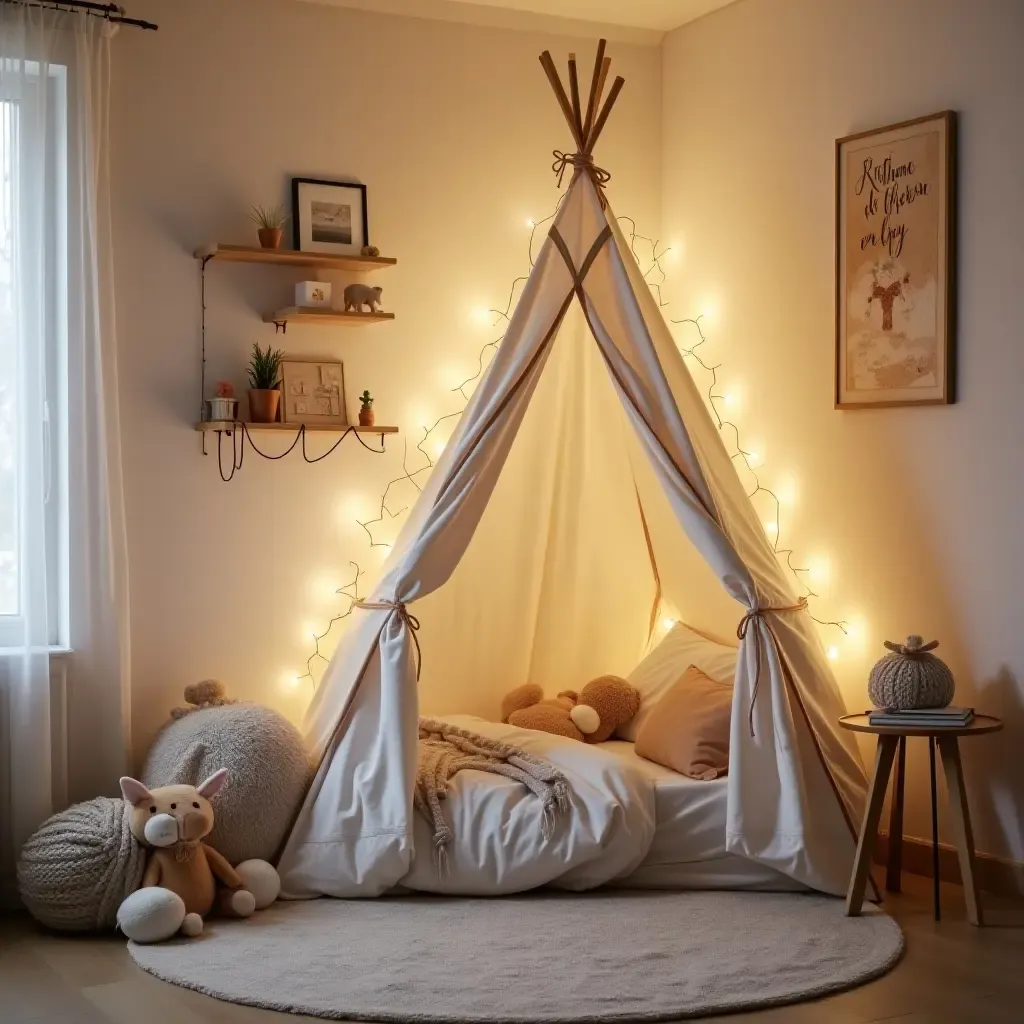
pixel 951 973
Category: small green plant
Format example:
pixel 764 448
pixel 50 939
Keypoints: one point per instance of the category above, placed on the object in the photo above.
pixel 269 217
pixel 366 399
pixel 265 368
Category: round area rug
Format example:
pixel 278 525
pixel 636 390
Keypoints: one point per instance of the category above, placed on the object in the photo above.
pixel 553 957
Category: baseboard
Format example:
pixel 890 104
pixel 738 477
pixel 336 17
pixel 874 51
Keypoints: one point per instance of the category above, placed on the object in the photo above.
pixel 995 874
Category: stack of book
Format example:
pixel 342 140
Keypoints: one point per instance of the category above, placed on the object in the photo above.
pixel 922 717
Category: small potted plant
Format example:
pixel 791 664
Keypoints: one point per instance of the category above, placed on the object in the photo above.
pixel 366 409
pixel 269 221
pixel 224 405
pixel 264 377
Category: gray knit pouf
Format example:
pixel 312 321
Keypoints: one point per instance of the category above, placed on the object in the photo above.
pixel 80 864
pixel 268 771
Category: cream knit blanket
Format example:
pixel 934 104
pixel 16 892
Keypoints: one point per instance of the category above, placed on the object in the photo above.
pixel 446 749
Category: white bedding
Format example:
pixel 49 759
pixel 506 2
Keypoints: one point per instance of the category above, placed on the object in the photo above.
pixel 633 823
pixel 498 846
pixel 688 848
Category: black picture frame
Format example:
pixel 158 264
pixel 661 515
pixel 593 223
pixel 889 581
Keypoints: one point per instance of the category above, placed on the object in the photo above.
pixel 298 221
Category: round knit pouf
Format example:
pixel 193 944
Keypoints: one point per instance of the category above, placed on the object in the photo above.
pixel 911 677
pixel 268 771
pixel 79 866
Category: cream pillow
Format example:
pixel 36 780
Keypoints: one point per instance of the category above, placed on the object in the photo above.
pixel 690 732
pixel 680 648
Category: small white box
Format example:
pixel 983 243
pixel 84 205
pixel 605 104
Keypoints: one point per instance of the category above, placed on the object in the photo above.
pixel 313 293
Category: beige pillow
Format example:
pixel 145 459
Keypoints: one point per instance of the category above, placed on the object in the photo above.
pixel 690 732
pixel 665 664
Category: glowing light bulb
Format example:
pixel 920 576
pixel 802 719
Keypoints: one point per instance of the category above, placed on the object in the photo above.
pixel 308 631
pixel 437 446
pixel 667 623
pixel 753 458
pixel 531 223
pixel 731 399
pixel 832 653
pixel 771 527
pixel 481 315
pixel 289 681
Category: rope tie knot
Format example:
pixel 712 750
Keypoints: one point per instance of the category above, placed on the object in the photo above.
pixel 753 615
pixel 579 162
pixel 401 609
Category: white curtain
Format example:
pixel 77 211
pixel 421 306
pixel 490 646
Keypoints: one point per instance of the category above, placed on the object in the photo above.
pixel 63 560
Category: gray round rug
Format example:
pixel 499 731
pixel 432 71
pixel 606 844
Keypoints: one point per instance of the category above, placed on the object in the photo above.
pixel 553 957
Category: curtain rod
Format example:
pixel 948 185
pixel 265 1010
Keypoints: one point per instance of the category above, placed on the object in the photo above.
pixel 110 12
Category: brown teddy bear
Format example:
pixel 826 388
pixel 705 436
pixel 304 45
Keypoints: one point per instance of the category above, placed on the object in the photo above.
pixel 591 715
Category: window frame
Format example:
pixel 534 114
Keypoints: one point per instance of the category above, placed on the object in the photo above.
pixel 56 403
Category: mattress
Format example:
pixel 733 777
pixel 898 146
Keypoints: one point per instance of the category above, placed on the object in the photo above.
pixel 688 850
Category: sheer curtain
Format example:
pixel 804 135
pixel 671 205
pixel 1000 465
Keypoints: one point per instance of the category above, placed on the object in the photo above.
pixel 64 660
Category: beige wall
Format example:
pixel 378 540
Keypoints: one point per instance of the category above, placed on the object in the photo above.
pixel 915 509
pixel 451 127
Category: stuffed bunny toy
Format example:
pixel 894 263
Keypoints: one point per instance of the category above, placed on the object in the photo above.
pixel 182 872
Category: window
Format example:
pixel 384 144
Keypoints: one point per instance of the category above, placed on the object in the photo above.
pixel 33 354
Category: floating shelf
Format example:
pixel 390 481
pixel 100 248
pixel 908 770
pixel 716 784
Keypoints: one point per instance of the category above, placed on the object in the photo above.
pixel 292 258
pixel 324 317
pixel 227 426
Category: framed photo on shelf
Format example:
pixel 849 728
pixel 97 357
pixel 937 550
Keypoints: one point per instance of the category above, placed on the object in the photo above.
pixel 313 392
pixel 329 216
pixel 896 265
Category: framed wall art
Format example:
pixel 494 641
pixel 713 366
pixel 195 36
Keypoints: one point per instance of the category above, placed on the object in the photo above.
pixel 329 216
pixel 896 265
pixel 313 392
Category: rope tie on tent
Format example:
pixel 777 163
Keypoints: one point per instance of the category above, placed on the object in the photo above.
pixel 741 634
pixel 579 162
pixel 406 616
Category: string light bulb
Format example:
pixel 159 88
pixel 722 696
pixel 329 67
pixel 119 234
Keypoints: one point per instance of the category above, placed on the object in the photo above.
pixel 667 623
pixel 832 653
pixel 531 223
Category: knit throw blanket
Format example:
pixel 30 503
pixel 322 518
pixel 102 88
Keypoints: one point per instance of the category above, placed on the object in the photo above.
pixel 446 749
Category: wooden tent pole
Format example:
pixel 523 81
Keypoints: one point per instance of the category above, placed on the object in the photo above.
pixel 574 93
pixel 563 101
pixel 613 93
pixel 594 101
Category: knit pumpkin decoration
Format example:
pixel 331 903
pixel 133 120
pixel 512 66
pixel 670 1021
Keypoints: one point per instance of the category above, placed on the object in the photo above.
pixel 911 677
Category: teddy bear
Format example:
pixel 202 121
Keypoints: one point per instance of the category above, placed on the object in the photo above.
pixel 591 715
pixel 180 884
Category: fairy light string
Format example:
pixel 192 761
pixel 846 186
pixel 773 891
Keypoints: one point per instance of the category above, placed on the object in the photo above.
pixel 655 276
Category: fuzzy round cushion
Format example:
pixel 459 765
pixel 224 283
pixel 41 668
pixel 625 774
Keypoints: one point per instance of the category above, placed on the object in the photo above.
pixel 80 864
pixel 268 771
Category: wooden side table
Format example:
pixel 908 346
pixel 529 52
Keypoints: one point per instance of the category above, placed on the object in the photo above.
pixel 892 740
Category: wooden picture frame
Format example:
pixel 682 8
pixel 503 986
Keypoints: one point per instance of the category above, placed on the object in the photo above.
pixel 895 298
pixel 329 216
pixel 313 392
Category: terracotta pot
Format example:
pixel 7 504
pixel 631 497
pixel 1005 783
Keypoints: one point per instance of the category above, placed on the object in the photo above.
pixel 270 238
pixel 263 405
pixel 366 416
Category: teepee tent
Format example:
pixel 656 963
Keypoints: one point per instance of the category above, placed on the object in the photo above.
pixel 584 488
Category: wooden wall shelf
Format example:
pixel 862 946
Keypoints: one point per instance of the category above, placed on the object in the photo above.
pixel 323 317
pixel 291 258
pixel 228 425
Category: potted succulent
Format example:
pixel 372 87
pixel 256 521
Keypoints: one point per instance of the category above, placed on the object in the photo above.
pixel 269 221
pixel 366 409
pixel 264 377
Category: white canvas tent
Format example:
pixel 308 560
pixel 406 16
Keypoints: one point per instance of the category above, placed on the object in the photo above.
pixel 584 487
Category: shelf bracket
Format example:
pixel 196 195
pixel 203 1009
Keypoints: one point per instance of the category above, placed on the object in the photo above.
pixel 280 326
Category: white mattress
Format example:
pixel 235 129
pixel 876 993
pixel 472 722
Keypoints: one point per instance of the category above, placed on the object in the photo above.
pixel 688 851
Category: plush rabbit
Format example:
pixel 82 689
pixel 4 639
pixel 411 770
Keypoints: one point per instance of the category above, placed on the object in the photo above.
pixel 182 872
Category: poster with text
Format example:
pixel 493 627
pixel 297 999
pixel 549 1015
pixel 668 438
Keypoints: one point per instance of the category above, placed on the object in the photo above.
pixel 895 264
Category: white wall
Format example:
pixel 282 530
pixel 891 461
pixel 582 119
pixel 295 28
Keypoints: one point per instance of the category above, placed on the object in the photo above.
pixel 451 127
pixel 916 509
